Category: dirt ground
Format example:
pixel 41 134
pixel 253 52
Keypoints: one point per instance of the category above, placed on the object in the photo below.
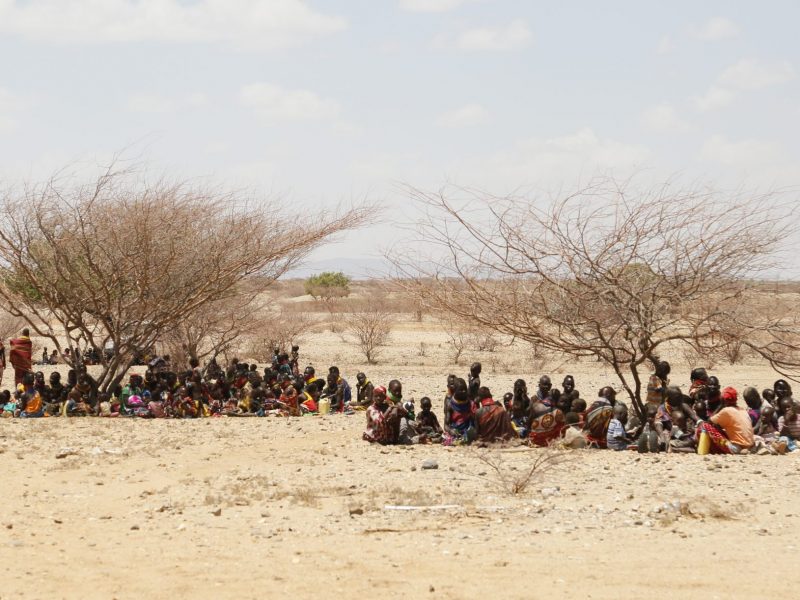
pixel 263 508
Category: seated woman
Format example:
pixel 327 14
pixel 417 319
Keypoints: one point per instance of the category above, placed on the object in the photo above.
pixel 728 431
pixel 547 424
pixel 492 422
pixel 383 419
pixel 31 405
pixel 598 416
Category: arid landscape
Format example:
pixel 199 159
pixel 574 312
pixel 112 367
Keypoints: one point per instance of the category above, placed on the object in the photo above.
pixel 279 507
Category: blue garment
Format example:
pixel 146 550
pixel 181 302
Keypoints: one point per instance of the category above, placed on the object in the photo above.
pixel 615 430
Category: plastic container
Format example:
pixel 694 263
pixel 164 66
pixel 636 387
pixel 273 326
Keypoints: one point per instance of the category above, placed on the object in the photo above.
pixel 324 406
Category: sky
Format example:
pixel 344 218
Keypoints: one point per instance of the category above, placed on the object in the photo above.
pixel 312 103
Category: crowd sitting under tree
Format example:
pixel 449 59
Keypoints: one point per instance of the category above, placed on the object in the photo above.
pixel 708 418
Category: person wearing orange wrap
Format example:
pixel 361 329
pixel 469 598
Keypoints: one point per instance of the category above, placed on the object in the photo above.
pixel 21 356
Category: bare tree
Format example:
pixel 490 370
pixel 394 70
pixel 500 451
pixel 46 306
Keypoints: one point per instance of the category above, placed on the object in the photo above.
pixel 118 262
pixel 214 328
pixel 370 326
pixel 611 273
pixel 279 329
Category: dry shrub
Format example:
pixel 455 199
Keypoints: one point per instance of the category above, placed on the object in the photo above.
pixel 509 480
pixel 370 327
pixel 282 330
pixel 483 341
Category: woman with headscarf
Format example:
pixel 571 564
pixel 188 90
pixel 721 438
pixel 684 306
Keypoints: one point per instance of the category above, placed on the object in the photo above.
pixel 383 419
pixel 728 431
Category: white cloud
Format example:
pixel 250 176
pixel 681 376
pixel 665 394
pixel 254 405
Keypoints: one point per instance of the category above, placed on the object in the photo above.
pixel 752 74
pixel 716 97
pixel 663 118
pixel 274 103
pixel 563 158
pixel 430 6
pixel 746 75
pixel 715 29
pixel 747 152
pixel 514 36
pixel 261 23
pixel 466 116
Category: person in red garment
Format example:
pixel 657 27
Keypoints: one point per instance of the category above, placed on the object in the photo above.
pixel 21 356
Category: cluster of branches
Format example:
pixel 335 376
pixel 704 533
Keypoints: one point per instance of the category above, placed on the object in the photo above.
pixel 121 262
pixel 609 272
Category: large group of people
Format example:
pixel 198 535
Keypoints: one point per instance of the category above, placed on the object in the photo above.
pixel 708 418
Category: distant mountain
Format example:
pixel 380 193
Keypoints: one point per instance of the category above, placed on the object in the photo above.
pixel 355 267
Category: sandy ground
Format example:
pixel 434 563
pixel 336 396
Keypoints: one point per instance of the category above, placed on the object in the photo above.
pixel 262 508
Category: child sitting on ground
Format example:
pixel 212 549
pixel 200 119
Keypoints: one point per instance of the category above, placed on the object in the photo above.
pixel 681 436
pixel 617 437
pixel 573 434
pixel 766 427
pixel 579 408
pixel 427 422
pixel 649 438
pixel 520 420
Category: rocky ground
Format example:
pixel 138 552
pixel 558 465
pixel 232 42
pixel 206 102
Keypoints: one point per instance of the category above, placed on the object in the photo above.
pixel 255 508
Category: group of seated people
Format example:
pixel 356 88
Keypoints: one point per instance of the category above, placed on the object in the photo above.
pixel 707 419
pixel 240 390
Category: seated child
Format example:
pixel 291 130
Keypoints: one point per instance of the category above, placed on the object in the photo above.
pixel 651 430
pixel 617 438
pixel 427 421
pixel 766 428
pixel 520 420
pixel 579 408
pixel 753 401
pixel 573 434
pixel 681 435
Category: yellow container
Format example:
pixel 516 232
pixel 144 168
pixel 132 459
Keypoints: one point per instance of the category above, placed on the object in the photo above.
pixel 704 443
pixel 324 406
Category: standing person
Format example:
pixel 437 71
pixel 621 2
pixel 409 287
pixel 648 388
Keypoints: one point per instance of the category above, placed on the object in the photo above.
pixel 657 385
pixel 21 355
pixel 2 360
pixel 474 382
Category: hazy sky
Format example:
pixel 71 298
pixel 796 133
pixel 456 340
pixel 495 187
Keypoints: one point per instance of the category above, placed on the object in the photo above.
pixel 324 100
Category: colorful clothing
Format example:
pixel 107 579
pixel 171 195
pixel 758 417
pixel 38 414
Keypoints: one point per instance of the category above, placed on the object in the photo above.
pixel 713 438
pixel 383 425
pixel 21 357
pixel 493 423
pixel 547 427
pixel 656 390
pixel 735 423
pixel 461 415
pixel 598 416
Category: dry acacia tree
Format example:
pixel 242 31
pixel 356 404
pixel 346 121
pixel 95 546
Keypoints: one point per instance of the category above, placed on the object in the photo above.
pixel 370 325
pixel 620 275
pixel 121 261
